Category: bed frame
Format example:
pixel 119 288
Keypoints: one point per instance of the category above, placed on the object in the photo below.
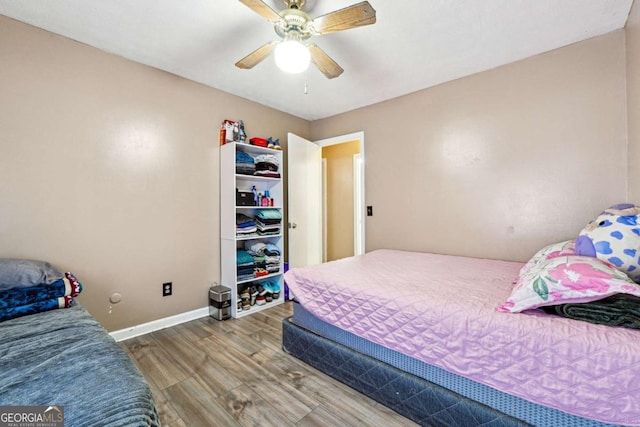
pixel 426 394
pixel 424 402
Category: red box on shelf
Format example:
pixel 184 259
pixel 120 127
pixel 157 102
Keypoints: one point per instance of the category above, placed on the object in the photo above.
pixel 260 142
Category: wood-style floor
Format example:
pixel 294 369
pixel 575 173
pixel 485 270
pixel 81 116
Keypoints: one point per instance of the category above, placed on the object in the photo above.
pixel 234 373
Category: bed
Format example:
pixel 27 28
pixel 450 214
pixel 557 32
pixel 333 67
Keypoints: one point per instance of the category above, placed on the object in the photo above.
pixel 62 358
pixel 422 334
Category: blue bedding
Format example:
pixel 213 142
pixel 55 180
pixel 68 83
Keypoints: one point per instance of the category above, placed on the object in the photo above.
pixel 66 358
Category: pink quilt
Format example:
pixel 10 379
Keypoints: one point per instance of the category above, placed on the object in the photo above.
pixel 442 310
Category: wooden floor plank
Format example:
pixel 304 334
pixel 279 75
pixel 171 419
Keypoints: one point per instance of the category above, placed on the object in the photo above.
pixel 235 373
pixel 251 409
pixel 155 362
pixel 198 407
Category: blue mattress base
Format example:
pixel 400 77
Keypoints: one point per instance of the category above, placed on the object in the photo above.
pixel 480 397
pixel 426 403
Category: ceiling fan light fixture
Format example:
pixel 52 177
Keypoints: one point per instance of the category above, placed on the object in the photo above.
pixel 295 27
pixel 292 56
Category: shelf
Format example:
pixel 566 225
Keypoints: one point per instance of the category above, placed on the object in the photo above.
pixel 268 276
pixel 258 207
pixel 238 238
pixel 258 308
pixel 253 149
pixel 230 183
pixel 242 177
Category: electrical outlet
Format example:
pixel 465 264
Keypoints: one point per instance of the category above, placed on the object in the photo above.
pixel 167 289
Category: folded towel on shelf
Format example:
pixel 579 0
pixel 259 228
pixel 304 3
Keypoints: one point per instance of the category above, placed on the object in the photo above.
pixel 267 165
pixel 268 214
pixel 267 159
pixel 265 228
pixel 272 250
pixel 267 174
pixel 245 164
pixel 242 157
pixel 245 226
pixel 242 219
pixel 243 257
pixel 255 248
pixel 247 232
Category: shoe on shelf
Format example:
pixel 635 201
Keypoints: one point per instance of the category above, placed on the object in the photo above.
pixel 275 289
pixel 254 294
pixel 268 287
pixel 261 300
pixel 276 145
pixel 270 143
pixel 245 296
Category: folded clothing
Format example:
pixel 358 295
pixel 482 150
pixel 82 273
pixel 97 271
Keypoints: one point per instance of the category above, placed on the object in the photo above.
pixel 265 215
pixel 265 228
pixel 245 164
pixel 247 231
pixel 255 248
pixel 242 157
pixel 267 161
pixel 245 225
pixel 615 310
pixel 268 222
pixel 271 249
pixel 267 165
pixel 243 257
pixel 267 174
pixel 242 219
pixel 245 170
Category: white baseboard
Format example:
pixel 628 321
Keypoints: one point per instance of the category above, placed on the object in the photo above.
pixel 156 325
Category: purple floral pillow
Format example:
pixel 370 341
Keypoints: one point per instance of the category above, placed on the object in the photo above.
pixel 568 247
pixel 567 279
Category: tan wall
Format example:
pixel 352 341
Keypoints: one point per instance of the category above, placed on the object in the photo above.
pixel 500 163
pixel 109 169
pixel 339 207
pixel 632 32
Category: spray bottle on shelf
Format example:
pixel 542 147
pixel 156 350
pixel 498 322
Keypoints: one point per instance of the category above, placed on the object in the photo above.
pixel 255 196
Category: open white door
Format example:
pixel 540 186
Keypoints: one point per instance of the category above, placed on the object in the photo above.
pixel 304 172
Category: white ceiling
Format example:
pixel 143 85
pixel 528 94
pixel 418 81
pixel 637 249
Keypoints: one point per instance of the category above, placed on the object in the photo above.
pixel 415 44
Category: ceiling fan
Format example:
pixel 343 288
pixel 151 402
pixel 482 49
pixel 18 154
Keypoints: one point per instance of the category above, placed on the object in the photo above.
pixel 295 27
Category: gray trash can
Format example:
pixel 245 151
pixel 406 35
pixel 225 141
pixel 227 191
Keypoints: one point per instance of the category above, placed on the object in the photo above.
pixel 220 302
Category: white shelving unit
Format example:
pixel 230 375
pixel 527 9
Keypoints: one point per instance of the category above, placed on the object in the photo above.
pixel 230 181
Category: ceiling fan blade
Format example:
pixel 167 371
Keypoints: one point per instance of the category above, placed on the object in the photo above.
pixel 325 64
pixel 257 56
pixel 350 17
pixel 262 9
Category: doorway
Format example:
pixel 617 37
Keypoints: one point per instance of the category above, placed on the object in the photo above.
pixel 340 164
pixel 310 232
